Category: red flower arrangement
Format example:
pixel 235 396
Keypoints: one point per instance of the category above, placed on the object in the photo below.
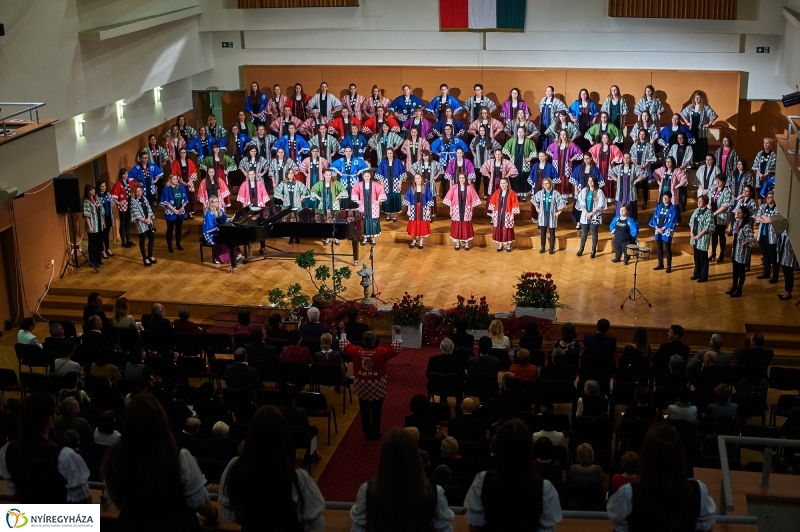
pixel 409 311
pixel 474 311
pixel 536 290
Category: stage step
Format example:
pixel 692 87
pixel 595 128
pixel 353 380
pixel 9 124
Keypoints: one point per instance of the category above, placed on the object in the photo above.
pixel 67 303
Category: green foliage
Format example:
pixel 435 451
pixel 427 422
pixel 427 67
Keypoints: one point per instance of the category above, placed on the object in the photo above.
pixel 292 298
pixel 322 274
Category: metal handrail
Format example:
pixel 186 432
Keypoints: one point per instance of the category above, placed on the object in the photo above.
pixel 31 108
pixel 726 505
pixel 791 126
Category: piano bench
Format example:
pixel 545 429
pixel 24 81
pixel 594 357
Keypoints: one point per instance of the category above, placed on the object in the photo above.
pixel 203 244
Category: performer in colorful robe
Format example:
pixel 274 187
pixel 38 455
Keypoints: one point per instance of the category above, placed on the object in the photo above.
pixel 701 225
pixel 764 168
pixel 493 125
pixel 617 111
pixel 727 158
pixel 391 173
pixel 278 168
pixel 234 143
pixel 444 100
pixel 447 120
pixel 742 178
pixel 590 203
pixel 292 194
pixel 252 193
pixel 698 117
pixel 595 132
pixel 255 162
pixel 548 204
pixel 549 108
pixel 461 198
pixel 540 171
pixel 185 131
pixel 201 144
pixel 579 180
pixel 327 144
pixel 368 195
pixel 748 200
pixel 404 105
pixel 413 146
pixel 459 165
pixel 645 123
pixel 146 174
pixel 531 131
pixel 474 104
pixel 245 126
pixel 186 171
pixel 212 186
pixel 419 201
pixel 767 237
pixel 418 122
pixel 340 126
pixel 353 102
pixel 719 199
pixel 349 168
pixel 788 263
pixel 431 171
pixel 562 123
pixel 215 129
pixel 312 124
pixel 649 103
pixel 280 124
pixel 298 102
pixel 277 102
pixel 446 145
pixel 624 229
pixel 172 143
pixel 173 199
pixel 583 112
pixel 355 141
pixel 670 179
pixel 497 168
pixel 212 219
pixel 121 195
pixel 513 104
pixel 158 154
pixel 293 145
pixel 371 104
pixel 521 151
pixel 482 148
pixel 312 168
pixel 328 194
pixel 327 103
pixel 256 104
pixel 665 218
pixel 741 246
pixel 563 153
pixel 643 156
pixel 605 156
pixel 503 206
pixel 669 134
pixel 221 163
pixel 682 154
pixel 380 142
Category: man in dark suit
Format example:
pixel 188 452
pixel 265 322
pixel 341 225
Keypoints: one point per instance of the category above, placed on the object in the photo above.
pixel 467 427
pixel 94 307
pixel 698 360
pixel 483 363
pixel 446 362
pixel 296 416
pixel 352 328
pixel 257 350
pixel 460 338
pixel 219 447
pixel 275 330
pixel 711 374
pixel 190 438
pixel 155 321
pixel 313 329
pixel 93 338
pixel 560 370
pixel 239 374
pixel 599 343
pixel 754 355
pixel 673 346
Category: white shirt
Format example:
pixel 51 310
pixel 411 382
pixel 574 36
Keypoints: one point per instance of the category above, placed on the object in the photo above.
pixel 66 366
pixel 620 506
pixel 106 439
pixel 553 435
pixel 442 519
pixel 685 413
pixel 70 465
pixel 551 507
pixel 27 337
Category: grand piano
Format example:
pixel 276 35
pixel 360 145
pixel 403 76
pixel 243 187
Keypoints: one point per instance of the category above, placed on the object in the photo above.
pixel 248 226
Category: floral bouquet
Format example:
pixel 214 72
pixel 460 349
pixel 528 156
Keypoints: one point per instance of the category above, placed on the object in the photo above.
pixel 536 290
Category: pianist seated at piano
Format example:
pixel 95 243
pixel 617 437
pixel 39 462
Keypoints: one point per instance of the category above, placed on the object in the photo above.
pixel 328 193
pixel 212 219
pixel 210 187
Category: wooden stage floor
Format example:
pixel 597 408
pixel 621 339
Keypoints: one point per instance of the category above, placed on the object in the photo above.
pixel 591 288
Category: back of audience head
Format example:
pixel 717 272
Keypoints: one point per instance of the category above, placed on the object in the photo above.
pixel 157 309
pixel 603 325
pixel 95 323
pixel 568 332
pixel 584 455
pixel 289 394
pixel 677 330
pixel 663 472
pixel 184 313
pixel 257 335
pixel 447 346
pixel 484 345
pixel 531 329
pixel 36 416
pixel 442 475
pixel 548 421
pixel 352 313
pixel 239 355
pixel 70 406
pixel 71 380
pixel 413 432
pixel 461 326
pixel 591 388
pixel 56 329
pixel 192 425
pixel 630 463
pixel 449 447
pixel 558 356
pixel 643 395
pixel 136 355
pixel 325 341
pixel 523 356
pixel 220 430
pixel 294 337
pixel 92 299
pixel 757 340
pixel 313 314
pixel 468 406
pixel 716 342
pixel 67 348
pixel 509 381
pixel 676 364
pixel 107 422
pixel 419 405
pixel 684 396
pixel 369 339
pixel 710 358
pixel 543 448
pixel 722 393
pixel 275 320
pixel 72 439
pixel 244 317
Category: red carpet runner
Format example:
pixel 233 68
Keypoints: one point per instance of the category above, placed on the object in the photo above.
pixel 356 459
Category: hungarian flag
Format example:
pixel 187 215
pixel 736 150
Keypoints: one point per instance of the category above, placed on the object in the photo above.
pixel 482 15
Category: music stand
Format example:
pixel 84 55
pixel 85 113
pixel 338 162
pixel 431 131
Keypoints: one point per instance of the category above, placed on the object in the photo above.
pixel 73 251
pixel 634 293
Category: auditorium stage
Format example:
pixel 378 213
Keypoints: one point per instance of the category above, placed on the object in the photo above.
pixel 590 288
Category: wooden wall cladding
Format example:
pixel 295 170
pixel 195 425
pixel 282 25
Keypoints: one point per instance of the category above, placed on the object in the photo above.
pixel 260 4
pixel 681 9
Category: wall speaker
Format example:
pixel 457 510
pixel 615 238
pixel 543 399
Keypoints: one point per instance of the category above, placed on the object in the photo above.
pixel 68 194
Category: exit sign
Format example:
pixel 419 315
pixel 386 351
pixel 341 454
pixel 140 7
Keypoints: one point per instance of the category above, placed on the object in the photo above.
pixel 762 49
pixel 229 44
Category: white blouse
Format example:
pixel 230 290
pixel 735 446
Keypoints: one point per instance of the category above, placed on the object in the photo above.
pixel 442 519
pixel 313 503
pixel 70 465
pixel 505 344
pixel 551 507
pixel 620 506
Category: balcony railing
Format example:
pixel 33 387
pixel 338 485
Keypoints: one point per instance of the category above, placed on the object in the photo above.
pixel 31 108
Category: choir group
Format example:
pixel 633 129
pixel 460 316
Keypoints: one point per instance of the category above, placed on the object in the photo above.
pixel 320 155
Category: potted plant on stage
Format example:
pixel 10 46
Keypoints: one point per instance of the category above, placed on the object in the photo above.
pixel 536 296
pixel 409 314
pixel 325 295
pixel 475 312
pixel 292 299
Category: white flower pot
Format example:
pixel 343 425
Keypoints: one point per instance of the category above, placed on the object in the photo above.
pixel 478 333
pixel 544 313
pixel 412 337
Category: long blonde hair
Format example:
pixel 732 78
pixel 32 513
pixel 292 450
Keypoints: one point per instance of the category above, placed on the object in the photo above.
pixel 495 331
pixel 121 308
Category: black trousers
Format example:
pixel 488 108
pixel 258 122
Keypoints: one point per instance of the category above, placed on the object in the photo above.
pixel 701 264
pixel 719 236
pixel 738 275
pixel 644 187
pixel 788 278
pixel 107 234
pixel 125 226
pixel 585 228
pixel 150 237
pixel 619 248
pixel 661 244
pixel 95 247
pixel 543 231
pixel 682 198
pixel 769 252
pixel 174 226
pixel 371 417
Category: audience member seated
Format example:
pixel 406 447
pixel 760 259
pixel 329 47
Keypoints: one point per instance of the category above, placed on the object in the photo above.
pixel 154 485
pixel 245 408
pixel 698 360
pixel 483 363
pixel 683 410
pixel 69 420
pixel 673 346
pixel 468 427
pixel 53 342
pixel 106 433
pixel 135 367
pixel 313 329
pixel 662 478
pixel 122 317
pixel 531 338
pixel 155 322
pixel 189 438
pixel 637 353
pixel 560 370
pixel 72 440
pixel 35 469
pixel 93 338
pixel 400 497
pixel 258 505
pixel 545 466
pixel 239 374
pixel 257 350
pixel 176 408
pixel 294 352
pixel 676 377
pixel 753 383
pixel 522 369
pixel 25 334
pixel 549 430
pixel 711 373
pixel 65 364
pixel 244 326
pixel 452 492
pixel 630 471
pixel 352 327
pixel 183 325
pixel 459 466
pixel 275 330
pixel 508 498
pixel 723 406
pixel 755 355
pixel 569 344
pixel 600 343
pixel 593 403
pixel 208 407
pixel 94 307
pixel 71 381
pixel 326 355
pixel 102 367
pixel 296 416
pixel 219 447
pixel 169 370
pixel 422 419
pixel 585 472
pixel 424 458
pixel 497 336
pixel 510 401
pixel 642 411
pixel 446 362
pixel 460 338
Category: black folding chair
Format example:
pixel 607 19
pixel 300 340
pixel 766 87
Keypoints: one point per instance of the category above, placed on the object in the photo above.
pixel 188 344
pixel 551 393
pixel 750 406
pixel 331 375
pixel 296 373
pixel 32 356
pixel 446 385
pixel 785 403
pixel 218 342
pixel 316 405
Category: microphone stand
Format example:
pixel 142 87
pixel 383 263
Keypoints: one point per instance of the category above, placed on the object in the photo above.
pixel 372 267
